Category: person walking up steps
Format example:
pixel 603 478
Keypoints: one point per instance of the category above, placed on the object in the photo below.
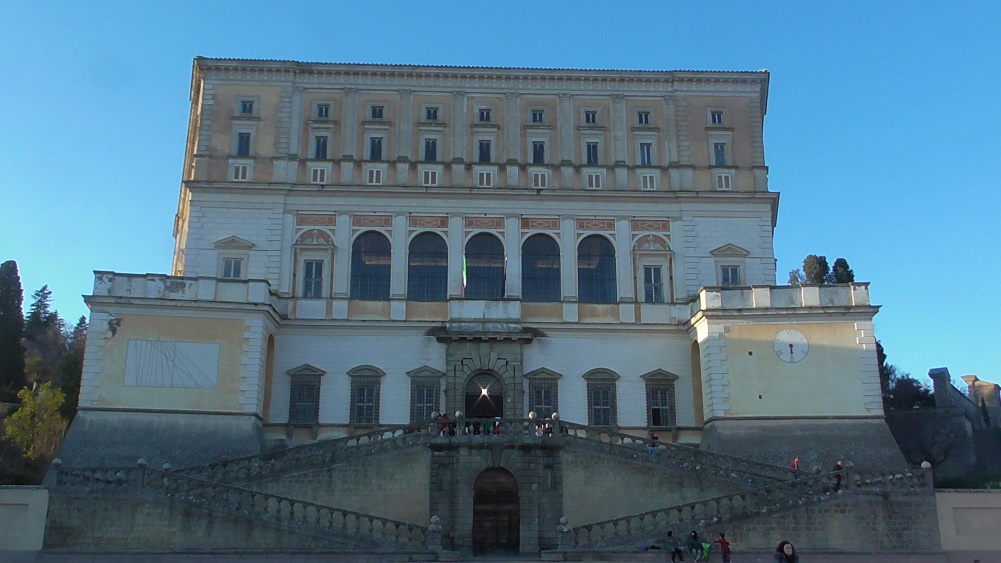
pixel 724 547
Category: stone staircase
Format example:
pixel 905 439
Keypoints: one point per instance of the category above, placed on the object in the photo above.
pixel 338 527
pixel 651 526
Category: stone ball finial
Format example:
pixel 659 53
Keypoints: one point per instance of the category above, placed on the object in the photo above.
pixel 564 520
pixel 435 415
pixel 925 465
pixel 435 525
pixel 57 462
pixel 141 462
pixel 531 415
pixel 556 416
pixel 458 414
pixel 167 467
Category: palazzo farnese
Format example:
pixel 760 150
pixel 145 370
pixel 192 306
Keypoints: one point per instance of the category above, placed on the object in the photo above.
pixel 362 247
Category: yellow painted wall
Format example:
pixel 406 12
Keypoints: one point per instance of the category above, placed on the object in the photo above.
pixel 828 381
pixel 228 333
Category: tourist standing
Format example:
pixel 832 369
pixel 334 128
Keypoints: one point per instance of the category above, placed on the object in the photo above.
pixel 795 467
pixel 652 445
pixel 675 547
pixel 785 553
pixel 838 468
pixel 695 545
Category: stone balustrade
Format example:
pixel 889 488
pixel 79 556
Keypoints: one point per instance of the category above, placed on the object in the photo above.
pixel 782 297
pixel 787 495
pixel 723 466
pixel 376 532
pixel 157 286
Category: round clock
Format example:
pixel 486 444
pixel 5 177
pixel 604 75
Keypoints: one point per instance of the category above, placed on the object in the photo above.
pixel 790 345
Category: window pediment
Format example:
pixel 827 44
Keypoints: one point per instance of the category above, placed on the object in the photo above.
pixel 730 250
pixel 659 375
pixel 425 371
pixel 543 373
pixel 365 371
pixel 233 243
pixel 601 374
pixel 306 369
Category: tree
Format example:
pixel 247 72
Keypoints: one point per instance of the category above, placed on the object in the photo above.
pixel 796 277
pixel 842 273
pixel 11 327
pixel 900 390
pixel 816 269
pixel 44 338
pixel 37 427
pixel 40 316
pixel 71 369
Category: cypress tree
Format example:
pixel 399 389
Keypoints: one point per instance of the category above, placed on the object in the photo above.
pixel 11 327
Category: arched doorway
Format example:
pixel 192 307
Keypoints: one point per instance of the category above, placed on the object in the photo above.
pixel 496 518
pixel 484 396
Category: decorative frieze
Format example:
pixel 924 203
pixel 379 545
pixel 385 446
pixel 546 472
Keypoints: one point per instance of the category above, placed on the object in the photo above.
pixel 316 220
pixel 603 225
pixel 540 223
pixel 428 222
pixel 379 221
pixel 484 222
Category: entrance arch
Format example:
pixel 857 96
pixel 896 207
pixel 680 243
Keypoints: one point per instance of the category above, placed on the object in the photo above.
pixel 484 396
pixel 496 516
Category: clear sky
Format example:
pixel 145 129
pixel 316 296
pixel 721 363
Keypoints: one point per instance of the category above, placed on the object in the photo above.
pixel 882 132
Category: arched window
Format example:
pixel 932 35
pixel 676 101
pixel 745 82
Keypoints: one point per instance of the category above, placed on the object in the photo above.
pixel 427 268
pixel 540 270
pixel 483 271
pixel 370 265
pixel 596 270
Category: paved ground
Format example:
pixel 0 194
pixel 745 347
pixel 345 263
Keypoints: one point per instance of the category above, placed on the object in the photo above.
pixel 638 557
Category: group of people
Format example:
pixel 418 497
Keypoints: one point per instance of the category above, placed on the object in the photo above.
pixel 837 470
pixel 784 553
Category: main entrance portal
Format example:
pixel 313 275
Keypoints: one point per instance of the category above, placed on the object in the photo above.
pixel 496 518
pixel 484 396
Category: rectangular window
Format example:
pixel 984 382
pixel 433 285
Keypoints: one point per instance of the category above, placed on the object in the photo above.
pixel 374 177
pixel 590 117
pixel 542 397
pixel 484 115
pixel 365 402
pixel 232 268
pixel 484 156
pixel 243 144
pixel 540 179
pixel 377 112
pixel 423 399
pixel 660 402
pixel 719 154
pixel 318 175
pixel 304 400
pixel 716 117
pixel 730 276
pixel 429 178
pixel 723 182
pixel 592 153
pixel 485 179
pixel 430 150
pixel 646 154
pixel 323 111
pixel 431 114
pixel 312 279
pixel 648 181
pixel 320 150
pixel 247 107
pixel 653 284
pixel 593 181
pixel 240 172
pixel 601 403
pixel 375 148
pixel 537 116
pixel 643 118
pixel 538 152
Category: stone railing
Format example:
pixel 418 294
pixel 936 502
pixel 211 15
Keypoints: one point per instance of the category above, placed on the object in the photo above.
pixel 783 296
pixel 723 466
pixel 309 456
pixel 158 286
pixel 757 502
pixel 374 532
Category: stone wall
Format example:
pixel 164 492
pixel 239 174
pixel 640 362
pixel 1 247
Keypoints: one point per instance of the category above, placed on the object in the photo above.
pixel 110 523
pixel 969 520
pixel 393 486
pixel 597 488
pixel 22 514
pixel 859 523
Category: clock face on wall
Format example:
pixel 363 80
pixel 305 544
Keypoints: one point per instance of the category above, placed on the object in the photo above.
pixel 790 345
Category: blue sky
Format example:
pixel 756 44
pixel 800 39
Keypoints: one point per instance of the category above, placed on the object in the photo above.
pixel 882 133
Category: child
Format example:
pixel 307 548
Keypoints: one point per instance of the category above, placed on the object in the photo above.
pixel 724 547
pixel 695 545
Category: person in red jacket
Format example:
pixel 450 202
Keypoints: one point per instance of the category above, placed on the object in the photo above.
pixel 724 547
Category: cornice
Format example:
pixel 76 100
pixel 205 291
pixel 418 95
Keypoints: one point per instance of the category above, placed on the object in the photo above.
pixel 471 79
